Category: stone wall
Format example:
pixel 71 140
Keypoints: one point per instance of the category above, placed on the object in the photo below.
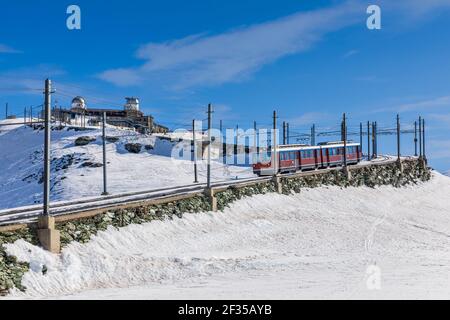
pixel 371 176
pixel 81 230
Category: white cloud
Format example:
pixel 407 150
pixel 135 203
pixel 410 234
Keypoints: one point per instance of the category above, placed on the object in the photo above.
pixel 439 117
pixel 205 60
pixel 199 59
pixel 28 80
pixel 425 104
pixel 350 53
pixel 7 49
pixel 439 149
pixel 310 118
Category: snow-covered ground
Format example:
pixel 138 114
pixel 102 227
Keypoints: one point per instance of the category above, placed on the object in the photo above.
pixel 21 154
pixel 323 243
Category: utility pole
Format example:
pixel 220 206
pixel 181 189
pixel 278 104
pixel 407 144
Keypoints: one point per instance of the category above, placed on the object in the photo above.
pixel 6 112
pixel 368 140
pixel 423 137
pixel 25 116
pixel 360 137
pixel 195 150
pixel 274 143
pixel 415 138
pixel 255 138
pixel 398 138
pixel 31 116
pixel 208 180
pixel 105 191
pixel 420 138
pixel 373 140
pixel 284 132
pixel 236 144
pixel 47 141
pixel 344 129
pixel 220 127
pixel 287 132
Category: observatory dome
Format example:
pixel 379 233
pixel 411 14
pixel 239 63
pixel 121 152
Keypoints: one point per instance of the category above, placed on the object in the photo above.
pixel 78 103
pixel 132 104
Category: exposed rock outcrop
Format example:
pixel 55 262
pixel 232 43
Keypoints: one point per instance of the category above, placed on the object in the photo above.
pixel 84 140
pixel 133 147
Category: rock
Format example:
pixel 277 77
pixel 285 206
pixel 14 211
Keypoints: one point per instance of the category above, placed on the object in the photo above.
pixel 133 147
pixel 79 129
pixel 84 140
pixel 112 139
pixel 148 147
pixel 91 164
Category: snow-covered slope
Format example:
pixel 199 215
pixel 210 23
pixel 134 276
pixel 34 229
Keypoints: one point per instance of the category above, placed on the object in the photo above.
pixel 74 171
pixel 316 244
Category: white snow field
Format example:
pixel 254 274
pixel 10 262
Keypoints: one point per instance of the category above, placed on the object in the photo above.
pixel 21 160
pixel 318 244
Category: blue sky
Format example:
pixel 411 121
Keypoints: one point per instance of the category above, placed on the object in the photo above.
pixel 309 60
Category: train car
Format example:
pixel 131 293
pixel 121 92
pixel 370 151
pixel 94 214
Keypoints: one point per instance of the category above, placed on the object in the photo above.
pixel 292 158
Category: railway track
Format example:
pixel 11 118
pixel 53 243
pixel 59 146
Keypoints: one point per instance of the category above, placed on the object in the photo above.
pixel 29 214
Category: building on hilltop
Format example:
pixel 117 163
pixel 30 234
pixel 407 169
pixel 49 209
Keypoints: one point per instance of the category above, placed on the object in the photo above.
pixel 130 116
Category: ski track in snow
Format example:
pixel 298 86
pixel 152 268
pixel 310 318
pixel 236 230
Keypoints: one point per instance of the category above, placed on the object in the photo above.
pixel 316 244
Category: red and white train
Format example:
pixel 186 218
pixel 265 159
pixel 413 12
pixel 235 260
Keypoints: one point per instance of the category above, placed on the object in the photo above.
pixel 291 158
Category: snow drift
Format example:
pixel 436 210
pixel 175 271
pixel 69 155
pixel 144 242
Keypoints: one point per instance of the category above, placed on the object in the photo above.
pixel 316 244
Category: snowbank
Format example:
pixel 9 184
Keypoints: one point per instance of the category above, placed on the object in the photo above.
pixel 316 244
